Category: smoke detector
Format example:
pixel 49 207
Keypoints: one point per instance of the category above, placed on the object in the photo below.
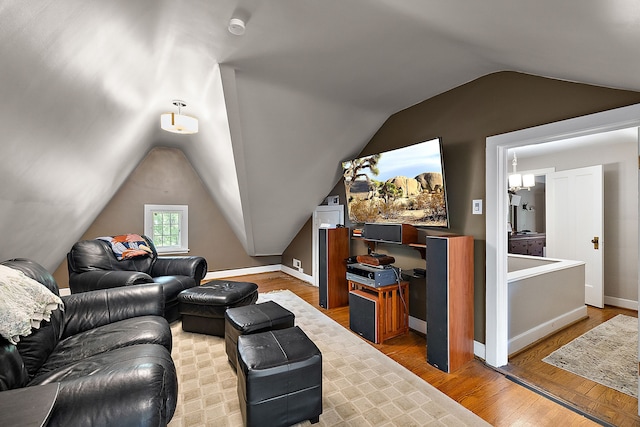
pixel 236 26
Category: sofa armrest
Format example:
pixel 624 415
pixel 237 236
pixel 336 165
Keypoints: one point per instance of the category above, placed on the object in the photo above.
pixel 191 266
pixel 131 386
pixel 101 279
pixel 89 310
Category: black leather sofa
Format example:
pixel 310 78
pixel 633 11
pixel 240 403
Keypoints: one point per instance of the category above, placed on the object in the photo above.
pixel 93 265
pixel 109 350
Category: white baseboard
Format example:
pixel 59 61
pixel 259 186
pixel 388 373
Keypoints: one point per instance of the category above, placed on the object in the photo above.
pixel 297 274
pixel 621 302
pixel 479 350
pixel 418 325
pixel 545 329
pixel 241 271
pixel 255 270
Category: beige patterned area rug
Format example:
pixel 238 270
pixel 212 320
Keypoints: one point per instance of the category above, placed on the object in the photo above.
pixel 361 386
pixel 607 354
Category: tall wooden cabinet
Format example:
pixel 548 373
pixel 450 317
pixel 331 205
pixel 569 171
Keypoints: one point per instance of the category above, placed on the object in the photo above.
pixel 333 251
pixel 449 301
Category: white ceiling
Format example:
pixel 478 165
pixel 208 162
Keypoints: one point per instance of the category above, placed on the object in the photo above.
pixel 84 83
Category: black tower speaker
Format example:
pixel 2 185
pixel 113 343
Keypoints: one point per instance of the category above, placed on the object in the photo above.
pixel 333 251
pixel 449 261
pixel 437 305
pixel 363 314
pixel 323 237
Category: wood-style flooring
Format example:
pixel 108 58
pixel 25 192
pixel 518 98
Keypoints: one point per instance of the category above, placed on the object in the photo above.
pixel 607 404
pixel 483 390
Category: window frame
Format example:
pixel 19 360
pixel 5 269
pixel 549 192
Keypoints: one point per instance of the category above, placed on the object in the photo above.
pixel 149 210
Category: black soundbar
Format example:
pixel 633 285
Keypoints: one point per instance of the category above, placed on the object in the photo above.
pixel 390 233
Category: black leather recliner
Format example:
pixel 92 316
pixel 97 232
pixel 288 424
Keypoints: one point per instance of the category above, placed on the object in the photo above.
pixel 109 350
pixel 93 265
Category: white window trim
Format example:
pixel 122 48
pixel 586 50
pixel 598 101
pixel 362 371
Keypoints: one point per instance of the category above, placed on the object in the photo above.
pixel 184 227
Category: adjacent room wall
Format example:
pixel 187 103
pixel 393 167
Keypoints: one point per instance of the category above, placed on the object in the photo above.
pixel 464 117
pixel 165 176
pixel 618 154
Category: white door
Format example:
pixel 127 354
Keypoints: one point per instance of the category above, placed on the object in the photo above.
pixel 330 215
pixel 574 202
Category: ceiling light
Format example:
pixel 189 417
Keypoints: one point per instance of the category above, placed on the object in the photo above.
pixel 236 26
pixel 518 181
pixel 178 123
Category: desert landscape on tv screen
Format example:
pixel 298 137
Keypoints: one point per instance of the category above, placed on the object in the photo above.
pixel 405 185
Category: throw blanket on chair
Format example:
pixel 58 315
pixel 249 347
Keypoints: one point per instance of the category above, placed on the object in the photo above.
pixel 127 246
pixel 24 304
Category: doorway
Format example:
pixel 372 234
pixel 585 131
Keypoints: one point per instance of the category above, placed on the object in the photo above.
pixel 496 342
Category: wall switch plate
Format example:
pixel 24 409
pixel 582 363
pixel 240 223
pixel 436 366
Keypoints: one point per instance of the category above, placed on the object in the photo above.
pixel 477 207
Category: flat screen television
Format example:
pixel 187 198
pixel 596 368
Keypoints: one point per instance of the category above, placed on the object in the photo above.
pixel 404 186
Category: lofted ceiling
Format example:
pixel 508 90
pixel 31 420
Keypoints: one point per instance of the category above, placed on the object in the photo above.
pixel 83 84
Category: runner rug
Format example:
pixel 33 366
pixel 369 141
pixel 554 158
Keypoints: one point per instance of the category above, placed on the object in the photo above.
pixel 607 354
pixel 361 386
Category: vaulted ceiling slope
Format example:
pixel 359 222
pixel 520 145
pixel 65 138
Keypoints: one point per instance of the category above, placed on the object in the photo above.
pixel 83 85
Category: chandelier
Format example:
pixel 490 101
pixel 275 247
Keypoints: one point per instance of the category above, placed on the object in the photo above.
pixel 518 181
pixel 178 123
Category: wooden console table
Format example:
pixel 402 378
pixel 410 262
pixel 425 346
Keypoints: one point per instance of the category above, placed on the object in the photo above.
pixel 393 307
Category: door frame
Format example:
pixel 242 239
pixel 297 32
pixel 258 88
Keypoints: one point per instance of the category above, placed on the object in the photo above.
pixel 496 167
pixel 314 237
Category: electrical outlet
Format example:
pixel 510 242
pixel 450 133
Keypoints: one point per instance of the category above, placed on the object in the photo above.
pixel 297 264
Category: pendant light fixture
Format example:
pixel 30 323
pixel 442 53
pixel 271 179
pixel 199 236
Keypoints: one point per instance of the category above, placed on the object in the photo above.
pixel 518 181
pixel 178 123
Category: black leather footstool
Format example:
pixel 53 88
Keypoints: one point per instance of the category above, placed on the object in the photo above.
pixel 253 319
pixel 203 307
pixel 279 378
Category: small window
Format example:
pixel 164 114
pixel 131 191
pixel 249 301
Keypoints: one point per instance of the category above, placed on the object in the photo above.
pixel 168 227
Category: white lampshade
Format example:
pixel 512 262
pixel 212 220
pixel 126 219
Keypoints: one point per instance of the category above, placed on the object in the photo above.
pixel 528 180
pixel 178 123
pixel 515 180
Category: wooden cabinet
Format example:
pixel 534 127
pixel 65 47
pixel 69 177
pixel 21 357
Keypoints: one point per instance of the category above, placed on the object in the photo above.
pixel 527 244
pixel 391 306
pixel 449 301
pixel 333 251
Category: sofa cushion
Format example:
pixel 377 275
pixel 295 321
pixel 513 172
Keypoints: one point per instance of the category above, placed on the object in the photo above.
pixel 135 385
pixel 125 333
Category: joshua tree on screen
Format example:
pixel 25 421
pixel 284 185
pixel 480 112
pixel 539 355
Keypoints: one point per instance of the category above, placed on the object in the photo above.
pixel 356 168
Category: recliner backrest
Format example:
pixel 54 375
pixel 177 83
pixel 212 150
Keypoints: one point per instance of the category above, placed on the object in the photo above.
pixel 95 254
pixel 13 373
pixel 35 348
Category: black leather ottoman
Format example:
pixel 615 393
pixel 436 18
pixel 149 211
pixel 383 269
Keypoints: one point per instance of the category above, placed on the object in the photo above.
pixel 253 319
pixel 279 378
pixel 203 307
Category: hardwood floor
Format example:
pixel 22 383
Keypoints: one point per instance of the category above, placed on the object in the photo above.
pixel 486 392
pixel 605 403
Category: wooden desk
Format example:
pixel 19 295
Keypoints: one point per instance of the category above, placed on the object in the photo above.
pixel 393 307
pixel 28 406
